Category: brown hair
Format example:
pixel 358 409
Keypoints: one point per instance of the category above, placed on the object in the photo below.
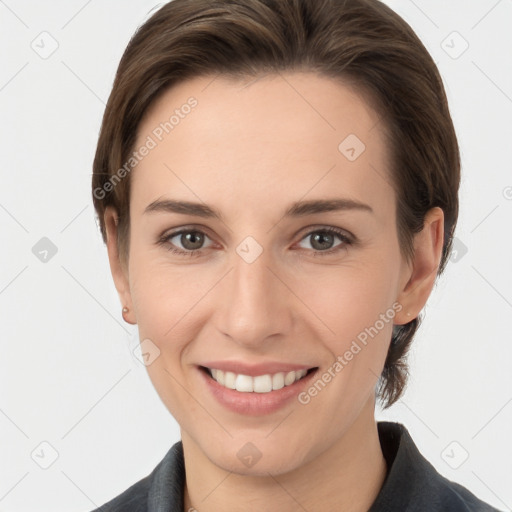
pixel 359 41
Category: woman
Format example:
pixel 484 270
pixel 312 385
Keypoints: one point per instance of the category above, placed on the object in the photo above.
pixel 276 182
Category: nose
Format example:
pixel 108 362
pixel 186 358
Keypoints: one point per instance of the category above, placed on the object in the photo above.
pixel 255 303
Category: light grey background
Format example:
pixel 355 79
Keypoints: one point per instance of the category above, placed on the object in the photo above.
pixel 68 376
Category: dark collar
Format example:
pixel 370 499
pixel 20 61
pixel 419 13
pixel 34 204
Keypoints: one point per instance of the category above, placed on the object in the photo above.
pixel 413 484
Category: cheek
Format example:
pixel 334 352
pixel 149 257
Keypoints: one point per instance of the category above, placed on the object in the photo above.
pixel 356 303
pixel 357 306
pixel 350 297
pixel 172 304
pixel 163 299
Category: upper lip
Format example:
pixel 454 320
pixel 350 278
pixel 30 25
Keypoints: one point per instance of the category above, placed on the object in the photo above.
pixel 253 370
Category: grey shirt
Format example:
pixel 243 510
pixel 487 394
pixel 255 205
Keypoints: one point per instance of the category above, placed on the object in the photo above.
pixel 412 484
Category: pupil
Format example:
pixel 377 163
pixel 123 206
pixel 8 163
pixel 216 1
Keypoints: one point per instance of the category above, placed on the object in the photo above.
pixel 323 237
pixel 192 238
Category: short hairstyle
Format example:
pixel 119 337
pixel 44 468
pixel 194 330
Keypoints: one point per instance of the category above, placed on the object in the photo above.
pixel 362 43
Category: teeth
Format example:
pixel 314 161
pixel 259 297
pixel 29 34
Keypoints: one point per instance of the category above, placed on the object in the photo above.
pixel 278 381
pixel 244 383
pixel 229 379
pixel 260 384
pixel 289 378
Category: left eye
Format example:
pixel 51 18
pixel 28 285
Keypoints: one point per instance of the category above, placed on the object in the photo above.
pixel 321 240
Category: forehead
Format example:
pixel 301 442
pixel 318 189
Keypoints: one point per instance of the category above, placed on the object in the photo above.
pixel 276 135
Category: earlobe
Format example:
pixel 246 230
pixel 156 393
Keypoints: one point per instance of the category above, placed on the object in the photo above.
pixel 125 312
pixel 118 270
pixel 422 271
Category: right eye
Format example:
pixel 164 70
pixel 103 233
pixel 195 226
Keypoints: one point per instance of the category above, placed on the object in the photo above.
pixel 191 241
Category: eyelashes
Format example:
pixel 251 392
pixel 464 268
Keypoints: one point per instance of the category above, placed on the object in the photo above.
pixel 166 241
pixel 198 234
pixel 331 232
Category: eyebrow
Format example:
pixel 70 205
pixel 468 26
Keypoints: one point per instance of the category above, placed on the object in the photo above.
pixel 298 209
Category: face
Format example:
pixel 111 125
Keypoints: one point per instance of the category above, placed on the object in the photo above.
pixel 263 241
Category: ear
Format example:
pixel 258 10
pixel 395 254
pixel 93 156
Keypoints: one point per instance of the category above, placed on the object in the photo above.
pixel 420 274
pixel 118 268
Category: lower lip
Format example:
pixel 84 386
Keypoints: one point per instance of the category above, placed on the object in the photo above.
pixel 255 404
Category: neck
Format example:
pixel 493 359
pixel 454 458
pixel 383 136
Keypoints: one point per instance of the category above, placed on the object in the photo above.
pixel 348 477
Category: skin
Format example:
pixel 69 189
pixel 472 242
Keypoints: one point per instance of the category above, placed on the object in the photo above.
pixel 250 149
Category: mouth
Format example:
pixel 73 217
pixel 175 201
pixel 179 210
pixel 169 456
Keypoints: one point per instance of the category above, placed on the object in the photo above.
pixel 256 384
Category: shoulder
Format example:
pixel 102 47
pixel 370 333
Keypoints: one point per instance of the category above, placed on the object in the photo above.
pixel 163 486
pixel 413 484
pixel 454 496
pixel 134 499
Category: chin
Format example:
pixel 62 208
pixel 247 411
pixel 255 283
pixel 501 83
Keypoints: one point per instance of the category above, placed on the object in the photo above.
pixel 249 461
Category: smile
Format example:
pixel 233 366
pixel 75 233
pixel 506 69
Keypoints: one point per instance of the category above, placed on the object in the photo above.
pixel 256 384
